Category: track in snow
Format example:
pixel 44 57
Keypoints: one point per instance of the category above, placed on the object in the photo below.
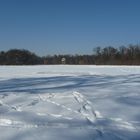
pixel 62 111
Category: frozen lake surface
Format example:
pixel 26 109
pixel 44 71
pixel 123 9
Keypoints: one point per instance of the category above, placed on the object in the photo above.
pixel 64 102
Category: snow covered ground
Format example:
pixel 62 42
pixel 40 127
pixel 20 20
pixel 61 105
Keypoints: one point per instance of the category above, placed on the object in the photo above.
pixel 69 102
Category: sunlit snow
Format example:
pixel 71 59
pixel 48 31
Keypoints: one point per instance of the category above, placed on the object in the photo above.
pixel 64 102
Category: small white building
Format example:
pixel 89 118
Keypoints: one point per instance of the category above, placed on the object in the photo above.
pixel 63 60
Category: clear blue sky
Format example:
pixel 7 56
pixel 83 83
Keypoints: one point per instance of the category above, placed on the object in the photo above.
pixel 68 26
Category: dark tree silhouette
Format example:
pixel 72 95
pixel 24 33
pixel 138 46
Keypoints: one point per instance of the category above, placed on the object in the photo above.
pixel 101 56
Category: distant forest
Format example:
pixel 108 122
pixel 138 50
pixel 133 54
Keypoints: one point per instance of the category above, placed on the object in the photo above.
pixel 123 55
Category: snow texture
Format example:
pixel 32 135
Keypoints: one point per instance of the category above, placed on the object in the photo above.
pixel 69 102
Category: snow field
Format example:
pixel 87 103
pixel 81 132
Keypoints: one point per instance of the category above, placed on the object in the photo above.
pixel 69 102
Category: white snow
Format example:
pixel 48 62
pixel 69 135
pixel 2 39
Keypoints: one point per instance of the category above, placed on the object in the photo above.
pixel 68 102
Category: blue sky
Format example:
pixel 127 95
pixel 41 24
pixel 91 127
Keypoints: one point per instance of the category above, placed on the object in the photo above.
pixel 68 26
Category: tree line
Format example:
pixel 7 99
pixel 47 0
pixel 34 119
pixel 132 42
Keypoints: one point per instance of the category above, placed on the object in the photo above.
pixel 118 56
pixel 123 55
pixel 19 57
